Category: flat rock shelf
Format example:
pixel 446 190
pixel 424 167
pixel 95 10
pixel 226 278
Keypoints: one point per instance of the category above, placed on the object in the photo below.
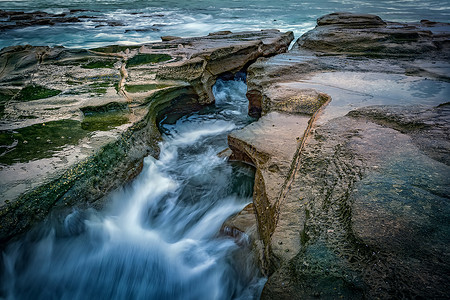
pixel 351 195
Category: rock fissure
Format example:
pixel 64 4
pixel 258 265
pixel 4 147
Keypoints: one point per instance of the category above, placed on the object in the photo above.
pixel 92 89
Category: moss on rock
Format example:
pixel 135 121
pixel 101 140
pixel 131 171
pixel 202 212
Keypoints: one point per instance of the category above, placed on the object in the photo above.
pixel 114 48
pixel 35 92
pixel 142 59
pixel 38 141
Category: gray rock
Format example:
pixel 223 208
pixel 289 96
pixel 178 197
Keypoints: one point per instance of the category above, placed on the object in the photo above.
pixel 361 210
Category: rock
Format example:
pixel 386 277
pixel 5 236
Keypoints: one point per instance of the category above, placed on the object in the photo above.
pixel 222 56
pixel 268 145
pixel 19 19
pixel 369 35
pixel 242 226
pixel 350 20
pixel 345 194
pixel 169 38
pixel 219 33
pixel 103 105
pixel 151 29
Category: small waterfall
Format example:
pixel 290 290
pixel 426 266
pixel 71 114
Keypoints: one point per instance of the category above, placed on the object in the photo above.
pixel 159 239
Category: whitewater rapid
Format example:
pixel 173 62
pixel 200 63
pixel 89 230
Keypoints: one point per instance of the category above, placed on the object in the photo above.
pixel 159 239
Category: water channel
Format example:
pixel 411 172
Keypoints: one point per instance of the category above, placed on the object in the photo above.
pixel 159 238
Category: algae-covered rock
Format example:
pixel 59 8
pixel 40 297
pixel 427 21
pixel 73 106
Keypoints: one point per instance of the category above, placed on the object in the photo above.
pixel 77 123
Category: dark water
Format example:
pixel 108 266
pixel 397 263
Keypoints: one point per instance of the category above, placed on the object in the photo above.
pixel 159 239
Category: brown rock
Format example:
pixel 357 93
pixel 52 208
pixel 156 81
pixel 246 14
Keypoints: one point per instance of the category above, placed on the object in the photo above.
pixel 350 20
pixel 220 54
pixel 347 33
pixel 168 38
pixel 347 217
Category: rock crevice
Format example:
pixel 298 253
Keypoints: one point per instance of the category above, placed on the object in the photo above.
pixel 106 103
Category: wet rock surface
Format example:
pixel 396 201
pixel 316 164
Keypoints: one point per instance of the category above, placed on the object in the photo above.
pixel 362 209
pixel 369 35
pixel 77 123
pixel 20 19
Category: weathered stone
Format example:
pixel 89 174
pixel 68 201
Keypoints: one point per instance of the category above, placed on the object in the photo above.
pixel 105 104
pixel 227 52
pixel 348 33
pixel 268 144
pixel 350 20
pixel 18 19
pixel 371 170
pixel 168 38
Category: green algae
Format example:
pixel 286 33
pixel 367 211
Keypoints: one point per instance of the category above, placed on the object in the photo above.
pixel 100 84
pixel 100 87
pixel 140 88
pixel 170 46
pixel 89 62
pixel 38 141
pixel 5 96
pixel 87 181
pixel 72 82
pixel 142 59
pixel 43 140
pixel 114 48
pixel 109 107
pixel 98 64
pixel 104 121
pixel 105 117
pixel 35 92
pixel 99 91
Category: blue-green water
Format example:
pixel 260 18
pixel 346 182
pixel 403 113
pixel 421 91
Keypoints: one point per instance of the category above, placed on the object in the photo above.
pixel 154 19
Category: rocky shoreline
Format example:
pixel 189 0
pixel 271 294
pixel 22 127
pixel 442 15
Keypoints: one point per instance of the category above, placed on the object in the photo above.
pixel 78 123
pixel 351 148
pixel 352 161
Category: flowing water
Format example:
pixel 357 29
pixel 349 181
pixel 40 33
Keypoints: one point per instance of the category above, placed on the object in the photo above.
pixel 159 240
pixel 106 22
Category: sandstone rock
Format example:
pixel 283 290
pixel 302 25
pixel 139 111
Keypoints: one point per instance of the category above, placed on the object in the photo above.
pixel 103 105
pixel 369 174
pixel 348 33
pixel 268 144
pixel 168 38
pixel 18 19
pixel 225 32
pixel 350 20
pixel 227 52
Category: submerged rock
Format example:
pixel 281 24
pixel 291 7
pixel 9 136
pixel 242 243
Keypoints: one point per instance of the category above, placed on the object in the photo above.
pixel 353 201
pixel 77 123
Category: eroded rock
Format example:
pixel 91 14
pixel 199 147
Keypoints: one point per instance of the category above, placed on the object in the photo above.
pixel 369 35
pixel 78 123
pixel 369 183
pixel 226 52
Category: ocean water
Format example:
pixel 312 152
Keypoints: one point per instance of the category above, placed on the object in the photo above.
pixel 153 19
